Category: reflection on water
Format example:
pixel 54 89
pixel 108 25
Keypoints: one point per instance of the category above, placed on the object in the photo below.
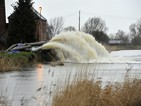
pixel 40 72
pixel 25 85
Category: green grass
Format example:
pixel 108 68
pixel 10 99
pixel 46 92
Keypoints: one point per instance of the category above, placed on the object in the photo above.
pixel 15 61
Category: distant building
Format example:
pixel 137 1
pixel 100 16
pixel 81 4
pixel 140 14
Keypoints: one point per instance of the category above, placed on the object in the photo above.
pixel 41 26
pixel 115 42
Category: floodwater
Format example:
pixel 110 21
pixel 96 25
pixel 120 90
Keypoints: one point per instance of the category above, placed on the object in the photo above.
pixel 34 86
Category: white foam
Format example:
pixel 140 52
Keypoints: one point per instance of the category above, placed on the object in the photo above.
pixel 76 46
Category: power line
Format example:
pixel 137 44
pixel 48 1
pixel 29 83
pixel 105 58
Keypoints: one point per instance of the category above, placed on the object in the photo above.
pixel 109 16
pixel 70 15
pixel 116 17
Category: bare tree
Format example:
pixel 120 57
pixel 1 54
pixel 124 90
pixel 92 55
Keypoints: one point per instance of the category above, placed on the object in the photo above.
pixel 122 36
pixel 139 27
pixel 135 32
pixel 94 24
pixel 111 36
pixel 70 28
pixel 96 27
pixel 56 25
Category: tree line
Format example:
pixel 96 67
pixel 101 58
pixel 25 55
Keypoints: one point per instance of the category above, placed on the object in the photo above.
pixel 97 28
pixel 94 26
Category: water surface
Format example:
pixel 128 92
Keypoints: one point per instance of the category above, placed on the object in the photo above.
pixel 25 85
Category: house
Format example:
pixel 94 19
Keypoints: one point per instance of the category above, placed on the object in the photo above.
pixel 115 42
pixel 3 40
pixel 41 26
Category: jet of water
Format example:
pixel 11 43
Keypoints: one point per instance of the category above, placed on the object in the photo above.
pixel 76 47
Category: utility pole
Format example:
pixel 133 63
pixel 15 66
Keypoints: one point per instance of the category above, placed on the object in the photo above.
pixel 79 22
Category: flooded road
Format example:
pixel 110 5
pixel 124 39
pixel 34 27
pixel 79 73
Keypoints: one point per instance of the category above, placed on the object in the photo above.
pixel 34 86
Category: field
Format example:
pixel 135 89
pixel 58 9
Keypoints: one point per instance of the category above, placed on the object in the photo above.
pixel 118 47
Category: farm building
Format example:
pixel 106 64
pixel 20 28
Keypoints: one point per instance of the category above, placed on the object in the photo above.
pixel 41 26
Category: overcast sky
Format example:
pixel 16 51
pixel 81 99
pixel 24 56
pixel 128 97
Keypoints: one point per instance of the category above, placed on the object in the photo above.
pixel 117 14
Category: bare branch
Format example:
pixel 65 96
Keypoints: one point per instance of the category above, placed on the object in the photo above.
pixel 94 24
pixel 56 25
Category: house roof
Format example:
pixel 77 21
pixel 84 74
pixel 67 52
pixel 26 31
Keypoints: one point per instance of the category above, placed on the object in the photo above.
pixel 37 15
pixel 115 41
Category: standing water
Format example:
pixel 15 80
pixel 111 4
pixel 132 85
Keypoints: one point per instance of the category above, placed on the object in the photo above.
pixel 35 86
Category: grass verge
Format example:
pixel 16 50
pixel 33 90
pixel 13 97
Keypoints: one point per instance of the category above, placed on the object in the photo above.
pixel 16 61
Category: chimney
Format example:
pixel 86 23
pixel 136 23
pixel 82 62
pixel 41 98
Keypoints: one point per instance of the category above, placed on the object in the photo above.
pixel 2 16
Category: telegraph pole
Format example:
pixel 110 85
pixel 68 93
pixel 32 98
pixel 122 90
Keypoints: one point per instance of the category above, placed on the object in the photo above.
pixel 79 22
